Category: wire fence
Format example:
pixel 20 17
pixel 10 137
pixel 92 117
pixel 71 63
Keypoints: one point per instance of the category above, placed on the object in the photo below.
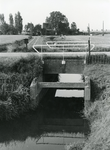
pixel 98 59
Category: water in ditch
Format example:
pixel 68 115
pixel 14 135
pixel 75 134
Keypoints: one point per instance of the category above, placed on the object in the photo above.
pixel 56 122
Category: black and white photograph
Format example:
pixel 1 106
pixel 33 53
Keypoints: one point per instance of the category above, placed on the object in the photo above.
pixel 54 74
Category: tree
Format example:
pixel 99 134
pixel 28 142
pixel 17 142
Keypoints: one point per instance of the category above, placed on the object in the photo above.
pixel 88 29
pixel 62 28
pixel 2 19
pixel 1 23
pixel 29 28
pixel 7 28
pixel 57 20
pixel 11 21
pixel 11 25
pixel 4 28
pixel 18 22
pixel 37 29
pixel 73 28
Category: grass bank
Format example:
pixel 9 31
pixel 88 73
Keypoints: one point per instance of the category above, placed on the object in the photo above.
pixel 16 75
pixel 11 43
pixel 98 112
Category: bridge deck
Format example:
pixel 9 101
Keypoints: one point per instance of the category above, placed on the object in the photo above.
pixel 62 85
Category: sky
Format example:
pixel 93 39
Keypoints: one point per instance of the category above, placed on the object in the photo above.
pixel 82 12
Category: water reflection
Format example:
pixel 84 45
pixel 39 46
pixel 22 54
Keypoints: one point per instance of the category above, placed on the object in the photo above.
pixel 56 122
pixel 34 131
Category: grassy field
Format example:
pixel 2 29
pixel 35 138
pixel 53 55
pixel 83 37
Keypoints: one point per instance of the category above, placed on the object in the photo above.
pixel 5 39
pixel 98 40
pixel 101 43
pixel 98 112
pixel 98 43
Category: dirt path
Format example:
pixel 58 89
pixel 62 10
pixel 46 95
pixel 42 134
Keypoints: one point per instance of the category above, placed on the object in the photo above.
pixel 36 40
pixel 32 41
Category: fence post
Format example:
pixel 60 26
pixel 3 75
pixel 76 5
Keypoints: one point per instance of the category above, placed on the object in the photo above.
pixel 89 47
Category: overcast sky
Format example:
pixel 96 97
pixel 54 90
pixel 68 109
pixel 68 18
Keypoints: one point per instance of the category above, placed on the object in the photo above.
pixel 83 12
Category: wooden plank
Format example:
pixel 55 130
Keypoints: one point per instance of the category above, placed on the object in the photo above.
pixel 62 85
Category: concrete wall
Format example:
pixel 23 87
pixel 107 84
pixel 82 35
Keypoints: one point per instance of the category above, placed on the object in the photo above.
pixel 87 93
pixel 55 66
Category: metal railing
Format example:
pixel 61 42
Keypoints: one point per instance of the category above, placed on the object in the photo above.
pixel 63 46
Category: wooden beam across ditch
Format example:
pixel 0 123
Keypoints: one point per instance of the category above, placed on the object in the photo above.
pixel 62 85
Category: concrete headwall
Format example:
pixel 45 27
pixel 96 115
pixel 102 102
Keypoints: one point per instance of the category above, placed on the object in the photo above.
pixel 69 63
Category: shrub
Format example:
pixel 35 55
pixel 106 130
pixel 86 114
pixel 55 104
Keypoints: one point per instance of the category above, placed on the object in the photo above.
pixel 17 103
pixel 3 48
pixel 20 74
pixel 23 49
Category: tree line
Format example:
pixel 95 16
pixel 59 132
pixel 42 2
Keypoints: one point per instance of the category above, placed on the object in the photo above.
pixel 15 25
pixel 57 23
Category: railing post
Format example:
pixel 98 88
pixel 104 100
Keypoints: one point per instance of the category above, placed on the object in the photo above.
pixel 89 47
pixel 42 56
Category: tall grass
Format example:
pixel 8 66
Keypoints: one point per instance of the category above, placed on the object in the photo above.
pixel 15 46
pixel 99 111
pixel 3 48
pixel 75 146
pixel 20 72
pixel 101 49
